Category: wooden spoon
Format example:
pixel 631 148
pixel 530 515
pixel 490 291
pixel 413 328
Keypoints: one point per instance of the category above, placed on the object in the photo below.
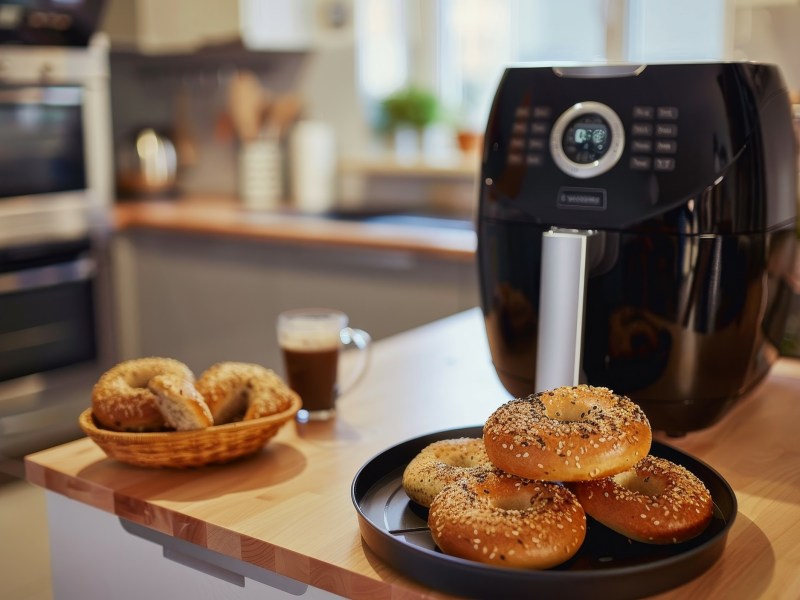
pixel 245 97
pixel 285 111
pixel 182 135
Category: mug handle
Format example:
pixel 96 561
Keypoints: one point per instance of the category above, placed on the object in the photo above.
pixel 361 340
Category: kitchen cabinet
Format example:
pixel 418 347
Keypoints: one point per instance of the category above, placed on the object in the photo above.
pixel 175 568
pixel 204 298
pixel 182 26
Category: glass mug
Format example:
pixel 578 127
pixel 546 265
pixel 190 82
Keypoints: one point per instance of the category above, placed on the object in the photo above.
pixel 311 340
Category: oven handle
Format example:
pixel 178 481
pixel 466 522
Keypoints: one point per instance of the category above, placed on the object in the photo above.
pixel 81 269
pixel 44 94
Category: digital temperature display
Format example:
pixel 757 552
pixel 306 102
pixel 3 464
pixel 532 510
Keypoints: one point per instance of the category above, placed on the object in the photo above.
pixel 586 139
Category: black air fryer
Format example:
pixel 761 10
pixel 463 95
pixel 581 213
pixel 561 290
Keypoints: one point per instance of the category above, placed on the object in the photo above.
pixel 636 229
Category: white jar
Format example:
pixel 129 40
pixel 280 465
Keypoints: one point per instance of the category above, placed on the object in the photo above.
pixel 312 166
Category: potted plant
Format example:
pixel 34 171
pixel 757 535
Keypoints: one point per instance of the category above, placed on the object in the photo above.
pixel 411 107
pixel 406 114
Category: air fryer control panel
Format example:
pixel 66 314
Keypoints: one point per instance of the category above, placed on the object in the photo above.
pixel 573 149
pixel 584 133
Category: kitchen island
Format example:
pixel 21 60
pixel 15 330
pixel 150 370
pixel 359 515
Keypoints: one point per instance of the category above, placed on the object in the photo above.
pixel 282 522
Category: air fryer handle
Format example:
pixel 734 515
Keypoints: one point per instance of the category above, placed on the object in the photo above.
pixel 562 301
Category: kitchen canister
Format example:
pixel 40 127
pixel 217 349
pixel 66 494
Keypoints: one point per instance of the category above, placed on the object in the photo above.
pixel 312 166
pixel 260 174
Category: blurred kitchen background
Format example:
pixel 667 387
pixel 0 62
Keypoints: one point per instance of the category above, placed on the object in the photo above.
pixel 202 121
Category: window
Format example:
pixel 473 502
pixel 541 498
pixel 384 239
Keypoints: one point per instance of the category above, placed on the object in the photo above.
pixel 382 56
pixel 676 30
pixel 459 48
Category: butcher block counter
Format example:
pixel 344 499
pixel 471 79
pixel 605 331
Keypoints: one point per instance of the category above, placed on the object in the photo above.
pixel 227 217
pixel 284 518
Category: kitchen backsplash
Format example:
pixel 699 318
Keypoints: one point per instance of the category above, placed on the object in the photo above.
pixel 186 98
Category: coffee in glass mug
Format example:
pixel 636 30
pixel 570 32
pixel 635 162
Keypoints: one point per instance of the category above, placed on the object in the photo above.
pixel 311 340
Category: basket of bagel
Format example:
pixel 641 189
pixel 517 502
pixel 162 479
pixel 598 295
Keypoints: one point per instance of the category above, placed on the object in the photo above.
pixel 153 412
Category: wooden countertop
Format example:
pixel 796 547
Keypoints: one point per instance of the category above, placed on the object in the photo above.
pixel 288 509
pixel 225 216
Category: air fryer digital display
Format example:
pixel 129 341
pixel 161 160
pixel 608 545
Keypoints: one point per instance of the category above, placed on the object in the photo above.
pixel 586 139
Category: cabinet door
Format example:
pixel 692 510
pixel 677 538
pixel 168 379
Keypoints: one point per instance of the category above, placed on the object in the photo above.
pixel 185 25
pixel 129 561
pixel 179 26
pixel 276 24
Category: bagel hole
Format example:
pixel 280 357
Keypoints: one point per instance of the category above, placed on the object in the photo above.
pixel 235 409
pixel 568 409
pixel 646 486
pixel 139 379
pixel 463 462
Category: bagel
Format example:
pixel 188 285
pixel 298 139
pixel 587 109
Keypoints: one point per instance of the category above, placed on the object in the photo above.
pixel 237 391
pixel 121 400
pixel 181 405
pixel 567 434
pixel 656 502
pixel 441 463
pixel 501 519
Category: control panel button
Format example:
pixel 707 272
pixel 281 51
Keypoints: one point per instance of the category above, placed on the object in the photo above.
pixel 515 159
pixel 642 129
pixel 519 128
pixel 534 160
pixel 640 163
pixel 661 163
pixel 644 146
pixel 669 113
pixel 539 128
pixel 516 143
pixel 666 146
pixel 666 130
pixel 522 112
pixel 642 112
pixel 537 144
pixel 542 112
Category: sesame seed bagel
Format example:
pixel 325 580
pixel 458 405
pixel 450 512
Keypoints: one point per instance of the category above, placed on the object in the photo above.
pixel 656 502
pixel 567 434
pixel 441 463
pixel 500 519
pixel 121 400
pixel 237 391
pixel 181 405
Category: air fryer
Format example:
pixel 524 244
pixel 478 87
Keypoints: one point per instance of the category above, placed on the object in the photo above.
pixel 636 231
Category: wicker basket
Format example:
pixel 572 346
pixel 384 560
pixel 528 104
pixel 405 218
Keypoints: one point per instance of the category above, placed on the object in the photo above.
pixel 180 449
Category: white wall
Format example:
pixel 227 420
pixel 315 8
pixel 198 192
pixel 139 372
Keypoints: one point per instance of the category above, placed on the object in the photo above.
pixel 328 82
pixel 770 35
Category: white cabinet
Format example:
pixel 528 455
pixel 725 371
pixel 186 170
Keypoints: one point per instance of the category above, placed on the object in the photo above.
pixel 92 554
pixel 181 26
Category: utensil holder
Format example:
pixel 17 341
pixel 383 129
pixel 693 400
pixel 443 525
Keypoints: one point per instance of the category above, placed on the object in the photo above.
pixel 261 174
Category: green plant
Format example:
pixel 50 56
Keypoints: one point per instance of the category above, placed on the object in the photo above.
pixel 412 106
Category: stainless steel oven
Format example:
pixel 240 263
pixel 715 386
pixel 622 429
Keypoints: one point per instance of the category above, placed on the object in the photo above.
pixel 55 194
pixel 47 307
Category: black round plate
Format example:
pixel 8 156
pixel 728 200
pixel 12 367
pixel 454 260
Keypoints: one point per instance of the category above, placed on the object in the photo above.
pixel 607 565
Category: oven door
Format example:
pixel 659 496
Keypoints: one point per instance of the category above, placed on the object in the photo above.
pixel 47 307
pixel 41 140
